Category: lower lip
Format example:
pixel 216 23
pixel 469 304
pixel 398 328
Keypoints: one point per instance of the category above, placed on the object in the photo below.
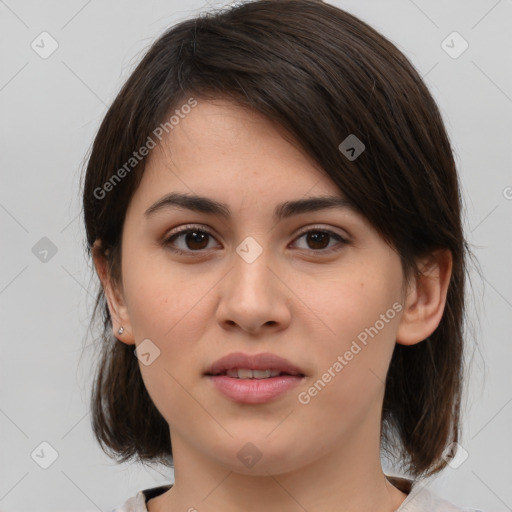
pixel 254 391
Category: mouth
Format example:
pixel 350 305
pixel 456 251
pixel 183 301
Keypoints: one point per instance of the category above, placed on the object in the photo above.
pixel 253 379
pixel 246 373
pixel 259 366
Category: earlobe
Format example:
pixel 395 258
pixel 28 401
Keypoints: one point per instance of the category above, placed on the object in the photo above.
pixel 118 313
pixel 425 298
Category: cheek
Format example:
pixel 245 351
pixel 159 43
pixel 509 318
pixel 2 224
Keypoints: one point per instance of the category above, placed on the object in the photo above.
pixel 354 301
pixel 159 295
pixel 362 311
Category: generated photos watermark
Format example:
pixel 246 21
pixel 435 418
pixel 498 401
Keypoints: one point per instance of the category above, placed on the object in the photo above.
pixel 304 397
pixel 138 156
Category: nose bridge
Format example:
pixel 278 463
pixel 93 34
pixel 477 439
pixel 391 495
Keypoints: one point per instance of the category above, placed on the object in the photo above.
pixel 251 296
pixel 251 262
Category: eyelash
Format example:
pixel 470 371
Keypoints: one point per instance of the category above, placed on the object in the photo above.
pixel 198 229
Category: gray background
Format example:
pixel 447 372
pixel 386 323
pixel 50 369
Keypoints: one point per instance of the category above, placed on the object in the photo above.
pixel 50 111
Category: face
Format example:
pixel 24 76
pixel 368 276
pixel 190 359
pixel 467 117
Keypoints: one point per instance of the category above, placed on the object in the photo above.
pixel 320 288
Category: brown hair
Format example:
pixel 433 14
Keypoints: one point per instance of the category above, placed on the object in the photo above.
pixel 322 74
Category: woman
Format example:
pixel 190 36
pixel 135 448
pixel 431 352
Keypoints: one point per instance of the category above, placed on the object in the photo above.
pixel 273 210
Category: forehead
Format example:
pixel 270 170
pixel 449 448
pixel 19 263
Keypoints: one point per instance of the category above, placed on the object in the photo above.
pixel 228 130
pixel 233 154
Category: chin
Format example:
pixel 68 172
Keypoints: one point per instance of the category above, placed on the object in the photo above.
pixel 258 458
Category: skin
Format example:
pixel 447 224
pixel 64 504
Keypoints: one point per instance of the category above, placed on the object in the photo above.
pixel 292 301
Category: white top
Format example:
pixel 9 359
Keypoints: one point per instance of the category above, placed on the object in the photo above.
pixel 419 499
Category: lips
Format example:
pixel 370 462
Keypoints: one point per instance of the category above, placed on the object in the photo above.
pixel 262 361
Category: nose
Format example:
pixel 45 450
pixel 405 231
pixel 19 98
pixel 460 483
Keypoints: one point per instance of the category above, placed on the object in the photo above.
pixel 254 296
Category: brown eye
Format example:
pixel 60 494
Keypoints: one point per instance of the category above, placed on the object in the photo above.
pixel 196 240
pixel 192 240
pixel 318 240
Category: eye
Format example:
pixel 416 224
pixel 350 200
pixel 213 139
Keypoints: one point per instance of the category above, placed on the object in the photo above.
pixel 195 239
pixel 317 238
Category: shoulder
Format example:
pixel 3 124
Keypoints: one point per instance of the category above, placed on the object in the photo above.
pixel 138 503
pixel 422 499
pixel 134 504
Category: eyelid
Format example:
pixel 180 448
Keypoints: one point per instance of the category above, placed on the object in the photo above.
pixel 345 237
pixel 305 229
pixel 186 227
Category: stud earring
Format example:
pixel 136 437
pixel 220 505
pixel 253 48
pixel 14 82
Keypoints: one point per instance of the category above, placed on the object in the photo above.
pixel 120 330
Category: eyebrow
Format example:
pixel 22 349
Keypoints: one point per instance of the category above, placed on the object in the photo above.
pixel 282 210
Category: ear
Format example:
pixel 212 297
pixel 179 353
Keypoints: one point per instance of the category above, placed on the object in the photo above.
pixel 425 298
pixel 115 300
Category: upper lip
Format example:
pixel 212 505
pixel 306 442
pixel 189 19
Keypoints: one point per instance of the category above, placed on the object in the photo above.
pixel 253 362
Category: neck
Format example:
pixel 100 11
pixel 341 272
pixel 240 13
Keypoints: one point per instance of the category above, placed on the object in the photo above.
pixel 346 479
